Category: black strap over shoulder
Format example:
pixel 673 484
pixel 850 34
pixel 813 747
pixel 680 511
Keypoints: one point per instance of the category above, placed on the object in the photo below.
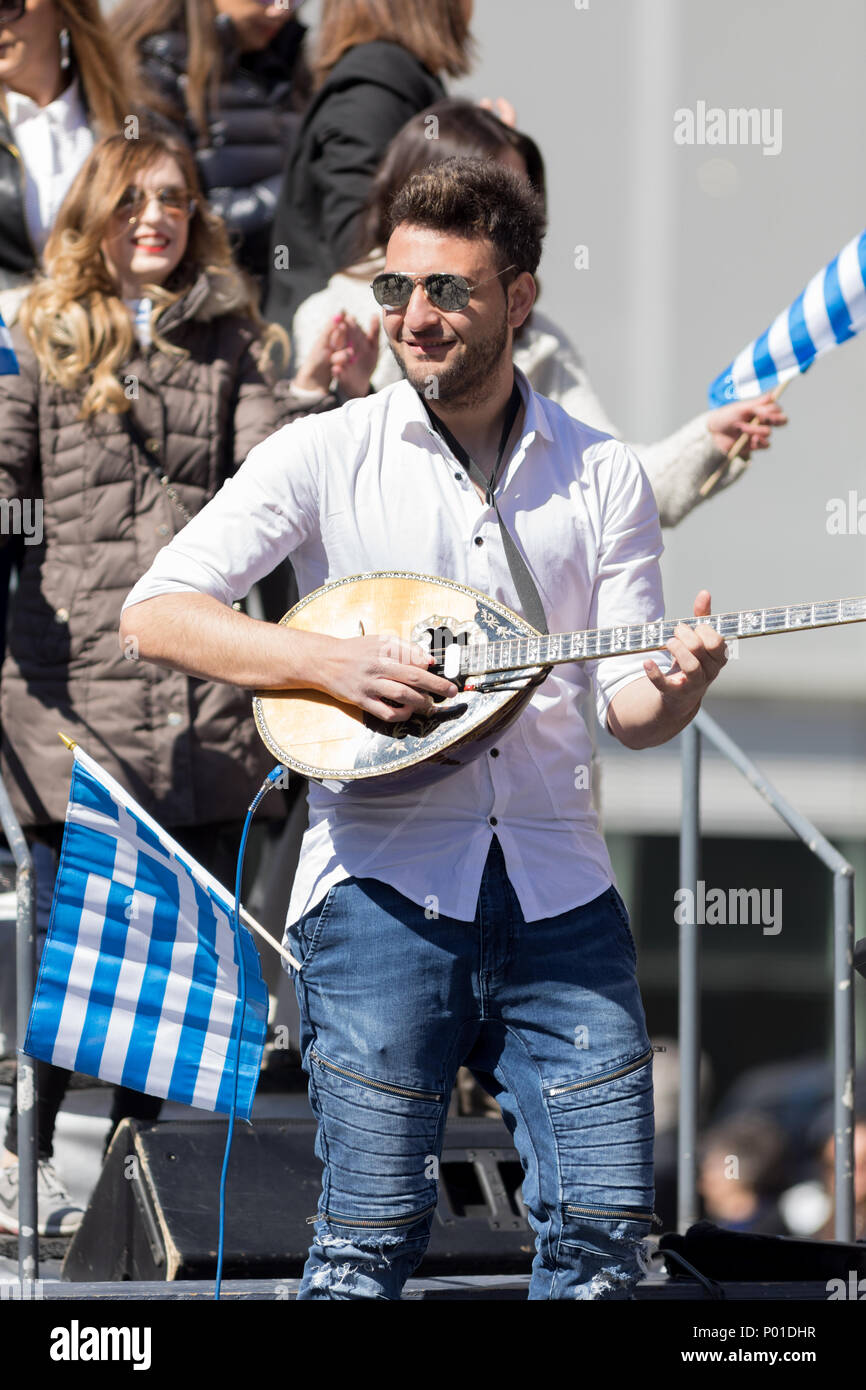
pixel 143 449
pixel 527 592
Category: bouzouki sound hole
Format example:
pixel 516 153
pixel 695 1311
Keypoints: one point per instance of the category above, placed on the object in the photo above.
pixel 436 637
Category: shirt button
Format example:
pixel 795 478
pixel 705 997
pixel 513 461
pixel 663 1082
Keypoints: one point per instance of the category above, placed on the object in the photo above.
pixel 494 752
pixel 479 540
pixel 459 477
pixel 492 820
pixel 174 718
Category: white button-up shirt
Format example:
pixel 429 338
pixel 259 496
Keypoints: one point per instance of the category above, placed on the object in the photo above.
pixel 371 487
pixel 53 142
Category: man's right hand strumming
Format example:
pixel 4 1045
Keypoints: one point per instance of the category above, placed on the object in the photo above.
pixel 196 633
pixel 383 675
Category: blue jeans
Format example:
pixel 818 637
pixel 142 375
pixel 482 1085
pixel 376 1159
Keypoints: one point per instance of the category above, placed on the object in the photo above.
pixel 548 1017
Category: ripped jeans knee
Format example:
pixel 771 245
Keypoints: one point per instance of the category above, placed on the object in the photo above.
pixel 600 1258
pixel 374 1264
pixel 379 1142
pixel 603 1130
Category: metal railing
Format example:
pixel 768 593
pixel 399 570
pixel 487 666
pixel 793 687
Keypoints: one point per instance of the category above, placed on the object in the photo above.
pixel 689 965
pixel 25 978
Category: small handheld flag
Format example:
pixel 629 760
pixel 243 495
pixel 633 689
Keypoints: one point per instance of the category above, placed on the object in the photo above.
pixel 830 310
pixel 8 360
pixel 138 982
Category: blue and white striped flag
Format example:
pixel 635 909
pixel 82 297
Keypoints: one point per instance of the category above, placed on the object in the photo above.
pixel 8 360
pixel 139 979
pixel 830 310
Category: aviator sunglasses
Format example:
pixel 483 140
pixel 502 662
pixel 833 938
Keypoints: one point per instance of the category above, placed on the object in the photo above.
pixel 176 202
pixel 393 289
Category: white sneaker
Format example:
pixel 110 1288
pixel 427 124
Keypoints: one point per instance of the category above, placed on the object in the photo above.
pixel 58 1215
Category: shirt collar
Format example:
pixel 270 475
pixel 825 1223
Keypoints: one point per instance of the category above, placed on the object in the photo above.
pixel 536 420
pixel 66 110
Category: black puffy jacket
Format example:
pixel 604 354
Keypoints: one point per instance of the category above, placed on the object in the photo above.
pixel 368 96
pixel 251 127
pixel 17 254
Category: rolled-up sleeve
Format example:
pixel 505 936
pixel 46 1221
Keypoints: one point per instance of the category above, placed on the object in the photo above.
pixel 628 584
pixel 258 518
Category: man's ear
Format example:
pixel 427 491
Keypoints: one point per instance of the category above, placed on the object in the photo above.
pixel 522 293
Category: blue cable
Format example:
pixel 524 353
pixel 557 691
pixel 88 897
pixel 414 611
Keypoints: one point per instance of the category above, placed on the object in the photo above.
pixel 272 778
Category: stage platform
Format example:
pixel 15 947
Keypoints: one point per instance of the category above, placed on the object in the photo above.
pixel 658 1288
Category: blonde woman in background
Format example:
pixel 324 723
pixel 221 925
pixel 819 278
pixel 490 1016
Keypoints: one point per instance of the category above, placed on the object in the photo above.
pixel 147 375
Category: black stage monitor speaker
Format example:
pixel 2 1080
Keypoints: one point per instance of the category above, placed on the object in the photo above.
pixel 154 1213
pixel 738 1256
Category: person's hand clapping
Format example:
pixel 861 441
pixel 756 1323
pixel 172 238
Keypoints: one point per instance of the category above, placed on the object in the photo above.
pixel 354 354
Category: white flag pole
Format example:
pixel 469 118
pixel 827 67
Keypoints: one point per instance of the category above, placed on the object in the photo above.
pixel 248 920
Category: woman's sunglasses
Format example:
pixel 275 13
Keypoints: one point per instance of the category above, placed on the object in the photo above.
pixel 11 10
pixel 176 202
pixel 393 289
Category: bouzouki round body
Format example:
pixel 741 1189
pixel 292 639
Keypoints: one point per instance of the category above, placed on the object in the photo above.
pixel 340 744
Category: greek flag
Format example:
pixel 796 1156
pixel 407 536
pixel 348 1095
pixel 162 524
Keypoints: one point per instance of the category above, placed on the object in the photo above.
pixel 830 310
pixel 8 360
pixel 138 982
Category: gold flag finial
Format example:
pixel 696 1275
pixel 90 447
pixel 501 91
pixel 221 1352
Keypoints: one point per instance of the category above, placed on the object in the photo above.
pixel 70 742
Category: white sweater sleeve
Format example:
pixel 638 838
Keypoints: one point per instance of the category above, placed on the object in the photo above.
pixel 676 466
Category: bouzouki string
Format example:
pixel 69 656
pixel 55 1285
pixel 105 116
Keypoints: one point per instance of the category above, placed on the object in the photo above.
pixel 527 592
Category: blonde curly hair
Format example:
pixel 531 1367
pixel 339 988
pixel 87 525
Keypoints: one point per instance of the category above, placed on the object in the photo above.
pixel 78 326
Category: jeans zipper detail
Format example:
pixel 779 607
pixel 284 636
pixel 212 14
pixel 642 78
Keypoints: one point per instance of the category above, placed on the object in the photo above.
pixel 377 1085
pixel 614 1212
pixel 389 1223
pixel 611 1076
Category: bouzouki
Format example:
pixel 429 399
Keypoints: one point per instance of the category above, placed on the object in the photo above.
pixel 492 654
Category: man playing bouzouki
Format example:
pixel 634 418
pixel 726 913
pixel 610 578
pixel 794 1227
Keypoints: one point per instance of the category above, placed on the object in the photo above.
pixel 475 922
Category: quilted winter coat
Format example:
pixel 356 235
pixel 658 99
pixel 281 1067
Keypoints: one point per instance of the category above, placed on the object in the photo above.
pixel 185 748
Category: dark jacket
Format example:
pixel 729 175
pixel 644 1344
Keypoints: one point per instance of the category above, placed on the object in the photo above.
pixel 186 749
pixel 367 97
pixel 17 254
pixel 252 124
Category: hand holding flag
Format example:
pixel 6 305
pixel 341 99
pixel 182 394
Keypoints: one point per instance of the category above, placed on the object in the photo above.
pixel 755 419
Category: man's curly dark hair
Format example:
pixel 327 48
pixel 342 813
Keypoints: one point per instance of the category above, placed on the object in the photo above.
pixel 475 198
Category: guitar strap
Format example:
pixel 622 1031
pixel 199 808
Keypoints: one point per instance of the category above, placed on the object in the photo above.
pixel 527 592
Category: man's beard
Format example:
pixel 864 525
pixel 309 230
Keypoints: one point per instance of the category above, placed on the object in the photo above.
pixel 467 381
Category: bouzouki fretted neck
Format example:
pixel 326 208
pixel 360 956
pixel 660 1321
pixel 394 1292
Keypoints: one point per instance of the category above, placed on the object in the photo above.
pixel 514 654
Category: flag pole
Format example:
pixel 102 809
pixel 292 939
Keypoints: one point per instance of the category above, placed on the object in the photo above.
pixel 259 929
pixel 736 447
pixel 248 920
